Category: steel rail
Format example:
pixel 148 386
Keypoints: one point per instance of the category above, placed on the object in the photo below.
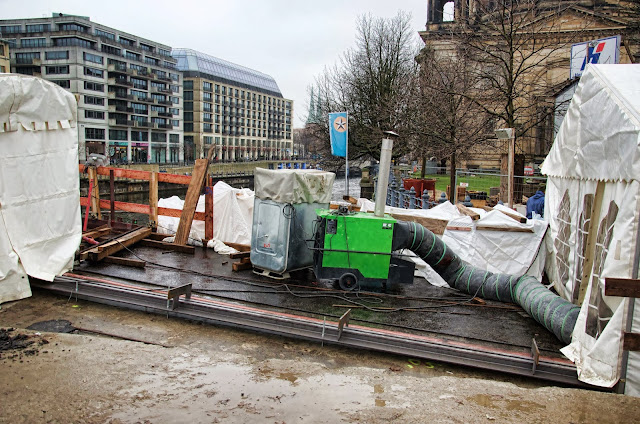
pixel 311 329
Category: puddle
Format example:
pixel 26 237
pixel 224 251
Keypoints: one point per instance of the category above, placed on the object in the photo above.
pixel 497 401
pixel 232 391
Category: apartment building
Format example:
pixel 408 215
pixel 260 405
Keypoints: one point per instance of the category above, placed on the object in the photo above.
pixel 238 110
pixel 5 65
pixel 128 88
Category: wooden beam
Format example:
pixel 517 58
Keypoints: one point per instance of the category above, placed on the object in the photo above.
pixel 142 209
pixel 136 263
pixel 95 193
pixel 239 255
pixel 97 232
pixel 168 246
pixel 631 342
pixel 468 212
pixel 102 251
pixel 239 247
pixel 153 199
pixel 135 174
pixel 589 251
pixel 191 201
pixel 506 230
pixel 436 226
pixel 514 216
pixel 623 287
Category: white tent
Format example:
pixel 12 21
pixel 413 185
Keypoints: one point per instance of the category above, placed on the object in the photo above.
pixel 40 226
pixel 593 204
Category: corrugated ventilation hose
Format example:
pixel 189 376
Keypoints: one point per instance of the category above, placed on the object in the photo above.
pixel 554 313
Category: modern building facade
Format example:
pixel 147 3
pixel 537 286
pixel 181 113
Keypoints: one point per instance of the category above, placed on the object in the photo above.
pixel 128 88
pixel 238 110
pixel 5 65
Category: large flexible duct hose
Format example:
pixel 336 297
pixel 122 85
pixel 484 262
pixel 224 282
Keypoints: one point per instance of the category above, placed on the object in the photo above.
pixel 554 313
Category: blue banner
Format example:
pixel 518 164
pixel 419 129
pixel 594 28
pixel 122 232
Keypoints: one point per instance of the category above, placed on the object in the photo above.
pixel 339 132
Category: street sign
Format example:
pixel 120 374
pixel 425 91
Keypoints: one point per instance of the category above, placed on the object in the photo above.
pixel 604 50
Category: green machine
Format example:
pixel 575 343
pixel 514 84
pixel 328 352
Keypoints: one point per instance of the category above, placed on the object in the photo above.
pixel 356 249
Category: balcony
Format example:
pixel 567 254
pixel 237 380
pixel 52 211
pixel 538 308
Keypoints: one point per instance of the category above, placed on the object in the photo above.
pixel 119 108
pixel 112 67
pixel 28 62
pixel 120 81
pixel 118 95
pixel 142 124
pixel 120 123
pixel 165 126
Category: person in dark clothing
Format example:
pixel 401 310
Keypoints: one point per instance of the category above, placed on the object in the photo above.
pixel 535 204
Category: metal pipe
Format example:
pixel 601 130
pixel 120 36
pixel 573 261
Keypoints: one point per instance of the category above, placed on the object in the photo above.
pixel 383 176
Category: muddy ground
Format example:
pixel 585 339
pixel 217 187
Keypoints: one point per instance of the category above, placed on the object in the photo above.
pixel 193 373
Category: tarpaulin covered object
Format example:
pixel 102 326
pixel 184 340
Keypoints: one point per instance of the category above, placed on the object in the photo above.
pixel 294 185
pixel 232 215
pixel 40 225
pixel 593 194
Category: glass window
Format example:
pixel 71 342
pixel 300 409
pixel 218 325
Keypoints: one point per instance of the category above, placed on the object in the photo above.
pixel 175 100
pixel 90 100
pixel 94 133
pixel 94 114
pixel 27 57
pixel 139 83
pixel 174 77
pixel 139 136
pixel 33 42
pixel 146 47
pixel 188 116
pixel 38 28
pixel 164 52
pixel 63 83
pixel 188 127
pixel 55 55
pixel 105 34
pixel 132 55
pixel 72 27
pixel 188 105
pixel 207 97
pixel 188 84
pixel 10 29
pixel 57 70
pixel 89 57
pixel 206 86
pixel 139 94
pixel 73 41
pixel 111 50
pixel 139 108
pixel 188 95
pixel 151 61
pixel 93 72
pixel 94 86
pixel 159 137
pixel 118 135
pixel 126 41
pixel 174 138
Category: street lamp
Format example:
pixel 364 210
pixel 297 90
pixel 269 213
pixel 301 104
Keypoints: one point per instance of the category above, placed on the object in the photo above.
pixel 508 134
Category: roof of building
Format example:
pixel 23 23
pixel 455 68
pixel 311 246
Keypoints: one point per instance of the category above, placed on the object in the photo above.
pixel 218 69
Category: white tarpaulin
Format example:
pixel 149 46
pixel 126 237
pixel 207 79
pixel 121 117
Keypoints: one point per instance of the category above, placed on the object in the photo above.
pixel 294 185
pixel 40 225
pixel 593 189
pixel 509 252
pixel 232 215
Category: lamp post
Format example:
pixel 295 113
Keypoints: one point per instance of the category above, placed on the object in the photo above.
pixel 508 134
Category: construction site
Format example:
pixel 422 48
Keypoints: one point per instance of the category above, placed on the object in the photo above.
pixel 279 304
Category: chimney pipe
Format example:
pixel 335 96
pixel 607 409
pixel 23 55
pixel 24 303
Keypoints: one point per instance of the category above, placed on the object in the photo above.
pixel 383 174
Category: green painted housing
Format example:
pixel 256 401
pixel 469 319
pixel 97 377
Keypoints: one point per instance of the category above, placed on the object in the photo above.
pixel 358 232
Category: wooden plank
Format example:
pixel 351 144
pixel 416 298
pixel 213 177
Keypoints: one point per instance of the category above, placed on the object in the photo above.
pixel 136 263
pixel 506 230
pixel 168 246
pixel 158 236
pixel 239 247
pixel 436 226
pixel 350 199
pixel 174 179
pixel 240 266
pixel 487 208
pixel 631 342
pixel 208 213
pixel 153 199
pixel 514 216
pixel 142 209
pixel 97 232
pixel 623 287
pixel 108 249
pixel 468 212
pixel 592 235
pixel 191 200
pixel 135 174
pixel 239 255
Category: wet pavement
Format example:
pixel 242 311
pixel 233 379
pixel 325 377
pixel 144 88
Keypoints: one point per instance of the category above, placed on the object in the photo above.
pixel 185 372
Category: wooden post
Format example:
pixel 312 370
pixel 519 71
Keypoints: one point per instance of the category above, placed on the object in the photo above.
pixel 153 199
pixel 112 196
pixel 95 195
pixel 592 236
pixel 511 182
pixel 208 213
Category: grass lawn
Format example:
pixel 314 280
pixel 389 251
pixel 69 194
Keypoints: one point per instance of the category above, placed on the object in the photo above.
pixel 476 182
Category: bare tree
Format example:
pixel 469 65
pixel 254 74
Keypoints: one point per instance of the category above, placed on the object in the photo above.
pixel 372 82
pixel 450 124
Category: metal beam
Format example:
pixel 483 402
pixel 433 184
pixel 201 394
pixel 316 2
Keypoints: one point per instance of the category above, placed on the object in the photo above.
pixel 217 312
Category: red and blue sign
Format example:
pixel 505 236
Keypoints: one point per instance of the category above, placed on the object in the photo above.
pixel 605 50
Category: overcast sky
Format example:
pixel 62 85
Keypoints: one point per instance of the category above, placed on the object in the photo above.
pixel 290 40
